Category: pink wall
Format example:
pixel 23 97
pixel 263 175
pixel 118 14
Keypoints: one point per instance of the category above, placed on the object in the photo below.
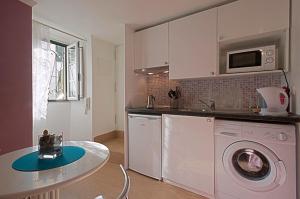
pixel 15 76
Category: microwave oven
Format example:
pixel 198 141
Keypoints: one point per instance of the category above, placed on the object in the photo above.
pixel 253 59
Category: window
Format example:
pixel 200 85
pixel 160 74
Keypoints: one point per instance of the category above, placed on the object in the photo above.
pixel 64 83
pixel 57 87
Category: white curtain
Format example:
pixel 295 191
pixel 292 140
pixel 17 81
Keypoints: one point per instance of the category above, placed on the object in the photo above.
pixel 42 66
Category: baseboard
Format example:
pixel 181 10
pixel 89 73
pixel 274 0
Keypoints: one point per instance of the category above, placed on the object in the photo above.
pixel 188 189
pixel 108 136
pixel 120 133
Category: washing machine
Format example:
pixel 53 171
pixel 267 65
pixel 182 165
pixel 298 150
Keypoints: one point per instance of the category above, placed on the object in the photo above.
pixel 254 160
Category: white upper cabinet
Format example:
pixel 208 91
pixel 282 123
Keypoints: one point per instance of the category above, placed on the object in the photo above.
pixel 193 45
pixel 151 47
pixel 252 17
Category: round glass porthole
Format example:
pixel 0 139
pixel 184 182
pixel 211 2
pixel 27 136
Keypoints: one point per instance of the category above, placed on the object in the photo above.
pixel 251 164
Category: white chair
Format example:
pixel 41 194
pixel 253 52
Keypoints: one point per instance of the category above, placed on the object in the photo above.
pixel 126 187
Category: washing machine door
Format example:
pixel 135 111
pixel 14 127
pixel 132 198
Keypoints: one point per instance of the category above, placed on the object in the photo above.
pixel 253 166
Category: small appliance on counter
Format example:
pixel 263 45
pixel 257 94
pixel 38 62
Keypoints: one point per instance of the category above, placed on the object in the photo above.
pixel 150 101
pixel 174 96
pixel 274 101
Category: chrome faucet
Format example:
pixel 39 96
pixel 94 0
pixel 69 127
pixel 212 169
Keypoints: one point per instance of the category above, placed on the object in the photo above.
pixel 212 106
pixel 150 101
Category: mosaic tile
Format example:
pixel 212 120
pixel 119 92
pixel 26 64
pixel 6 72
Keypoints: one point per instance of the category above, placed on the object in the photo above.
pixel 229 93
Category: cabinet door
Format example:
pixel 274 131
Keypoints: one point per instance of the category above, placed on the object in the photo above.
pixel 188 152
pixel 245 18
pixel 151 47
pixel 145 144
pixel 193 45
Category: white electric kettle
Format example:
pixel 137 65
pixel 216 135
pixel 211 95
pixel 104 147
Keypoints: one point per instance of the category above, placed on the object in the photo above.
pixel 276 101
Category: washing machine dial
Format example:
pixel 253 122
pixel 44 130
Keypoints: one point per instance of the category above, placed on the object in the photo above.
pixel 270 60
pixel 282 137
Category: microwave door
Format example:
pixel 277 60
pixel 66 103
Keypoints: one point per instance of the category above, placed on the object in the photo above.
pixel 244 61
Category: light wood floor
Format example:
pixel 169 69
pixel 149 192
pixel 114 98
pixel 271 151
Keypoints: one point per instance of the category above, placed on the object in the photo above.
pixel 108 181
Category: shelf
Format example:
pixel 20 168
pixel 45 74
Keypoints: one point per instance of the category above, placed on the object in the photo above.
pixel 249 73
pixel 279 38
pixel 267 36
pixel 233 75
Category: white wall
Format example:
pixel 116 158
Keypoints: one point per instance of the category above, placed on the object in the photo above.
pixel 135 85
pixel 71 118
pixel 295 71
pixel 80 114
pixel 120 87
pixel 58 120
pixel 295 53
pixel 103 59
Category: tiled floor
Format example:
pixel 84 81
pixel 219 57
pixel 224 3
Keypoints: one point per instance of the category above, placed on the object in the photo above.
pixel 116 147
pixel 108 181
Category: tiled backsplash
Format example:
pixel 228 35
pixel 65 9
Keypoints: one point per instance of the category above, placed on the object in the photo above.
pixel 234 93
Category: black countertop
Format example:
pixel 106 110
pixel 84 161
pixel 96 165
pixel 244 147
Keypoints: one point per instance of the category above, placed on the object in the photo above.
pixel 229 115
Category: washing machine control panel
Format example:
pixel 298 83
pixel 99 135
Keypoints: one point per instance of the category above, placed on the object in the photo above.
pixel 267 134
pixel 282 136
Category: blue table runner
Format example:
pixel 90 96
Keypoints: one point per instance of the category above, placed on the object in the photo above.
pixel 31 161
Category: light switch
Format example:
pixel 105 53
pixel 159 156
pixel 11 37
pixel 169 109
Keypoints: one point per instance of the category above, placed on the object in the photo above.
pixel 87 105
pixel 294 90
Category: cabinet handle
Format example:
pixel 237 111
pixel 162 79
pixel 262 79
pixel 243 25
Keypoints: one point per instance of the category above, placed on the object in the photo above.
pixel 212 73
pixel 208 120
pixel 166 62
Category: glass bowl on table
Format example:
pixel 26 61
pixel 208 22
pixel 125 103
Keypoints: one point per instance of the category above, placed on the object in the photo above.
pixel 50 145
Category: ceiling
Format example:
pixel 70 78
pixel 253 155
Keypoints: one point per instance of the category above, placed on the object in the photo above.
pixel 106 18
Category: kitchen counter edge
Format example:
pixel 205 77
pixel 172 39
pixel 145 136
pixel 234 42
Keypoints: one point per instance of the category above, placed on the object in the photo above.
pixel 227 115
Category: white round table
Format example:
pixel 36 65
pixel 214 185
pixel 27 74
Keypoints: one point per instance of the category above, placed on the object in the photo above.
pixel 45 184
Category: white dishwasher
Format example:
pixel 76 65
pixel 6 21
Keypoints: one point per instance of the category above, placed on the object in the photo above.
pixel 188 153
pixel 145 144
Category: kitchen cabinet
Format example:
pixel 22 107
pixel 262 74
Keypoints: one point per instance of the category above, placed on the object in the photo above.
pixel 193 45
pixel 188 152
pixel 246 18
pixel 151 47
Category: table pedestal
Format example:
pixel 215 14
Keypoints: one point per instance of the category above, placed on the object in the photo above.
pixel 53 194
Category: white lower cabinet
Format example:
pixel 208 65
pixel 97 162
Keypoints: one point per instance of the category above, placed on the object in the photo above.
pixel 188 152
pixel 145 144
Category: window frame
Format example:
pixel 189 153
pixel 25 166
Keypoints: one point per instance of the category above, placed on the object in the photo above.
pixel 65 68
pixel 76 45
